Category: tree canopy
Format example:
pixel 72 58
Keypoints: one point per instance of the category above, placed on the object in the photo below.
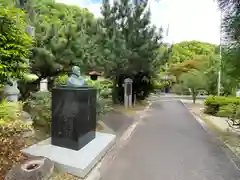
pixel 122 43
pixel 15 44
pixel 130 44
pixel 129 36
pixel 186 50
pixel 194 80
pixel 231 44
pixel 65 36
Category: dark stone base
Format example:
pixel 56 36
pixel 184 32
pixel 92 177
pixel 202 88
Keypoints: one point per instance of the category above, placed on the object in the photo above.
pixel 73 116
pixel 74 145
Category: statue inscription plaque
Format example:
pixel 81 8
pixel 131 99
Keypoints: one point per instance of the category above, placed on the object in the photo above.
pixel 67 121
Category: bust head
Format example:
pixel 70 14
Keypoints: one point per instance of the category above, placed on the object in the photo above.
pixel 75 79
pixel 76 71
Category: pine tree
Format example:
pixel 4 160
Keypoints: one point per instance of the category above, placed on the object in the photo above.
pixel 131 42
pixel 231 34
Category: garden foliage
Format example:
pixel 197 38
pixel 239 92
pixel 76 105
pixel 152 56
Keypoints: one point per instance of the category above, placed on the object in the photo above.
pixel 15 44
pixel 38 105
pixel 221 105
pixel 12 128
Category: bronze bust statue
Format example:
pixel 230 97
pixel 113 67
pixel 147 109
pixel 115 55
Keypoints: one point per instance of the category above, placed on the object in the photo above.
pixel 75 80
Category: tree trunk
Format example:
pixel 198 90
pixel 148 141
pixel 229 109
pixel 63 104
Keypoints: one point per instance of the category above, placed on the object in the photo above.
pixel 114 92
pixel 193 95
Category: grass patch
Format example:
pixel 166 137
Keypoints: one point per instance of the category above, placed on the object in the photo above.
pixel 139 106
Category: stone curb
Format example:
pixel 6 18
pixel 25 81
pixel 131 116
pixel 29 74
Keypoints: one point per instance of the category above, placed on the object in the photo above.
pixel 201 122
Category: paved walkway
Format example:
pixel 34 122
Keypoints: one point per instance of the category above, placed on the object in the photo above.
pixel 170 144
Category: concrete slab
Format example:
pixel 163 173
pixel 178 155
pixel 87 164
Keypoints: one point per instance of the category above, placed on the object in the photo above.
pixel 78 163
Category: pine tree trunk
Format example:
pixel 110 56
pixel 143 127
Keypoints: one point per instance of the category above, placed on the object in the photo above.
pixel 193 95
pixel 114 92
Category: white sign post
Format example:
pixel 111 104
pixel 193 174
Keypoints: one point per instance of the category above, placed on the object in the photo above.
pixel 128 92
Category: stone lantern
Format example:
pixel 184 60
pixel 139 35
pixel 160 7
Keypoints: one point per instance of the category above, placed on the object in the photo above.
pixel 11 90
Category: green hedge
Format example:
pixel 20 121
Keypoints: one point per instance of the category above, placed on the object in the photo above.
pixel 158 85
pixel 225 111
pixel 221 106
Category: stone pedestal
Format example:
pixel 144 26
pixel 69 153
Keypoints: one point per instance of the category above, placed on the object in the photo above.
pixel 73 116
pixel 78 163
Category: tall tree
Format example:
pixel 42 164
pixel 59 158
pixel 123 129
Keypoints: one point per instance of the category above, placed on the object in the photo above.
pixel 130 42
pixel 210 68
pixel 64 36
pixel 229 4
pixel 194 80
pixel 207 65
pixel 231 32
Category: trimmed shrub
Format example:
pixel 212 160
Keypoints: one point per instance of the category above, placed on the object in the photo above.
pixel 107 83
pixel 61 80
pixel 102 86
pixel 214 104
pixel 38 106
pixel 232 112
pixel 157 85
pixel 226 110
pixel 103 95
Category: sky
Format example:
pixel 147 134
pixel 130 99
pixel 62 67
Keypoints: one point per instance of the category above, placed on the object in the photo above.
pixel 187 19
